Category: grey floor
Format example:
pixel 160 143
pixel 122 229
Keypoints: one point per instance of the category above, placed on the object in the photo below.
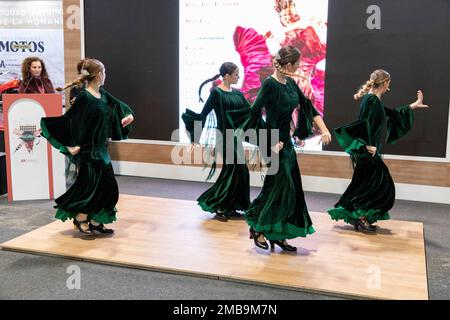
pixel 25 276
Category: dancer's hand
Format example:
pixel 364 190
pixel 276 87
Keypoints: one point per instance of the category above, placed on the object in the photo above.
pixel 372 150
pixel 192 147
pixel 325 138
pixel 74 150
pixel 127 120
pixel 419 102
pixel 277 148
pixel 299 143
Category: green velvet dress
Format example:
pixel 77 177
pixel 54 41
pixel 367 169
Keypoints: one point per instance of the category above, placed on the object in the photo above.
pixel 371 193
pixel 231 191
pixel 280 210
pixel 88 124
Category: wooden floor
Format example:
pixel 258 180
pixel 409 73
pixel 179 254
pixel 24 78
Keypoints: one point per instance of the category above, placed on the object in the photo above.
pixel 176 236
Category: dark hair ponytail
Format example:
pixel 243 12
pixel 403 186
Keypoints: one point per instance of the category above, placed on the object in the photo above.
pixel 217 76
pixel 225 68
pixel 88 69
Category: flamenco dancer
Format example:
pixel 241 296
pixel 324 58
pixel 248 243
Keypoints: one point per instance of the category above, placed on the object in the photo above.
pixel 280 212
pixel 82 133
pixel 371 193
pixel 231 192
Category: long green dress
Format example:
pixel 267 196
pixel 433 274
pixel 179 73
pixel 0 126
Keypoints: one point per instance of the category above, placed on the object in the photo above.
pixel 88 124
pixel 231 191
pixel 371 193
pixel 280 210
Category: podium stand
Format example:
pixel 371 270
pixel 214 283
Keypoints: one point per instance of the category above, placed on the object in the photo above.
pixel 34 169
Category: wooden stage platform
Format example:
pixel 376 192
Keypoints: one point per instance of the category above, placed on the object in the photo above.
pixel 176 236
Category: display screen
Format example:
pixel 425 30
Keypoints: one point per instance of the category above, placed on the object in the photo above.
pixel 249 33
pixel 158 53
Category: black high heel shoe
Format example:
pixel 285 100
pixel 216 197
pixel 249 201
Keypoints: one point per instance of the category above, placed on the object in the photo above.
pixel 235 214
pixel 220 215
pixel 255 235
pixel 77 224
pixel 364 225
pixel 282 245
pixel 100 228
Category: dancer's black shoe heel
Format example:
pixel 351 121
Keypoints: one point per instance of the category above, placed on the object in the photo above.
pixel 100 228
pixel 221 216
pixel 77 224
pixel 364 225
pixel 236 214
pixel 255 235
pixel 282 245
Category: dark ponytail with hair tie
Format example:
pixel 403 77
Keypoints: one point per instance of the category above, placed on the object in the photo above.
pixel 217 76
pixel 225 68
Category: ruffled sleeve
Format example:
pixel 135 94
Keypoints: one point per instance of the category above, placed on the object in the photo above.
pixel 192 119
pixel 306 115
pixel 251 117
pixel 65 131
pixel 119 110
pixel 399 122
pixel 354 137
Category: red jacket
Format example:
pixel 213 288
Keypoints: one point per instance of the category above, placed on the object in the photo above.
pixel 33 86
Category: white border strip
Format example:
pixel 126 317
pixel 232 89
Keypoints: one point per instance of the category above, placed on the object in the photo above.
pixel 448 133
pixel 409 192
pixel 82 36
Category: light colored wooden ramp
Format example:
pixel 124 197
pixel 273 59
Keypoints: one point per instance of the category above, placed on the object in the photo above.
pixel 176 236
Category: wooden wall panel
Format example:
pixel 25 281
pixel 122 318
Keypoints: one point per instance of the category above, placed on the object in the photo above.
pixel 72 39
pixel 403 171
